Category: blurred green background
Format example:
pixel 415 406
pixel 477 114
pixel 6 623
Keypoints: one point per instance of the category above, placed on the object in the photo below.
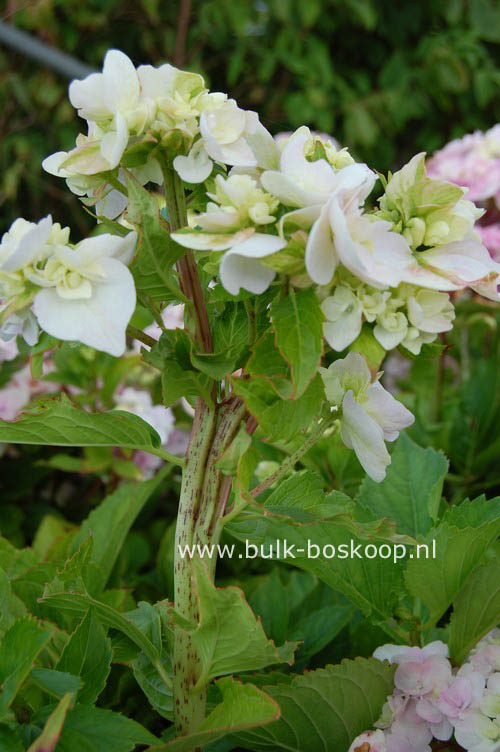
pixel 388 79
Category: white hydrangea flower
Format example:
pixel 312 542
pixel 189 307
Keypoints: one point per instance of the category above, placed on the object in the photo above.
pixel 369 414
pixel 343 313
pixel 239 208
pixel 438 222
pixel 83 292
pixel 301 182
pixel 429 310
pixel 391 327
pixel 477 733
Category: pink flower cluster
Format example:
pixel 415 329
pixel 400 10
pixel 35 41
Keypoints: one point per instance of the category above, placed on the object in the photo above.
pixel 474 163
pixel 433 701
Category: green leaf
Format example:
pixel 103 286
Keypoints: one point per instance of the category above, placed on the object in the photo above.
pixel 266 361
pixel 56 683
pixel 411 491
pixel 243 706
pixel 59 423
pixel 9 740
pixel 110 522
pixel 20 646
pixel 369 347
pixel 324 537
pixel 476 610
pixel 230 335
pixel 88 654
pixel 324 707
pixel 79 603
pixel 278 418
pixel 51 733
pixel 298 324
pixel 159 694
pixel 15 561
pixel 157 252
pixel 89 729
pixel 10 607
pixel 228 637
pixel 171 355
pixel 459 543
pixel 52 537
pixel 296 606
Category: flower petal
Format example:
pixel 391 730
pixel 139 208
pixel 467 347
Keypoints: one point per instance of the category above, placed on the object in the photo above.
pixel 240 266
pixel 365 436
pixel 29 245
pixel 321 257
pixel 389 413
pixel 100 322
pixel 196 167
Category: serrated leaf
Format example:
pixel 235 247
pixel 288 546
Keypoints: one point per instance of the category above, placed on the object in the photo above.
pixel 298 325
pixel 304 519
pixel 159 694
pixel 324 709
pixel 15 561
pixel 110 522
pixel 243 706
pixel 89 729
pixel 280 419
pixel 79 603
pixel 19 648
pixel 459 543
pixel 411 491
pixel 476 610
pixel 299 607
pixel 58 422
pixel 88 654
pixel 230 337
pixel 51 733
pixel 228 637
pixel 157 252
pixel 56 683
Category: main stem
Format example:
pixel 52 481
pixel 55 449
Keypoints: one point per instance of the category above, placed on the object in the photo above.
pixel 214 427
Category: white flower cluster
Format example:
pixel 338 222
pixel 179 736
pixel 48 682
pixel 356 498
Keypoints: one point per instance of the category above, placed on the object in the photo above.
pixel 81 292
pixel 433 701
pixel 392 267
pixel 407 315
pixel 295 206
pixel 368 414
pixel 135 114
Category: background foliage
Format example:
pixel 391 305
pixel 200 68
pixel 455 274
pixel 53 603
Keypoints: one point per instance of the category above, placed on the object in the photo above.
pixel 388 79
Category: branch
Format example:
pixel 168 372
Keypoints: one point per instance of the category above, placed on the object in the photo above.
pixel 132 331
pixel 186 265
pixel 291 461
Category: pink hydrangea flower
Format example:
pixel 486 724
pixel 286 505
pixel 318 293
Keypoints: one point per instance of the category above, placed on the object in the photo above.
pixel 490 235
pixel 369 741
pixel 472 162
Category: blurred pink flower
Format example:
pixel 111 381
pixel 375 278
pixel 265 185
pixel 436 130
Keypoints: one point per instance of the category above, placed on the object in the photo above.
pixel 490 235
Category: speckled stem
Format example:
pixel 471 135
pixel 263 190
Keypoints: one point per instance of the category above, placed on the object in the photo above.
pixel 189 707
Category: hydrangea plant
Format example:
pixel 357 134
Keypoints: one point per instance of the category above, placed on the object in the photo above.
pixel 290 284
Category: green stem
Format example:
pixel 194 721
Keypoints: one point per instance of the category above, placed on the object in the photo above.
pixel 292 460
pixel 167 456
pixel 189 707
pixel 186 265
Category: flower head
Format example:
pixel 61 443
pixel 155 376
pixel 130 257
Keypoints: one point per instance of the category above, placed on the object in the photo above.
pixel 369 414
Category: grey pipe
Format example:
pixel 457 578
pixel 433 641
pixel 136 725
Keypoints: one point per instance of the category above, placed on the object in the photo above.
pixel 59 61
